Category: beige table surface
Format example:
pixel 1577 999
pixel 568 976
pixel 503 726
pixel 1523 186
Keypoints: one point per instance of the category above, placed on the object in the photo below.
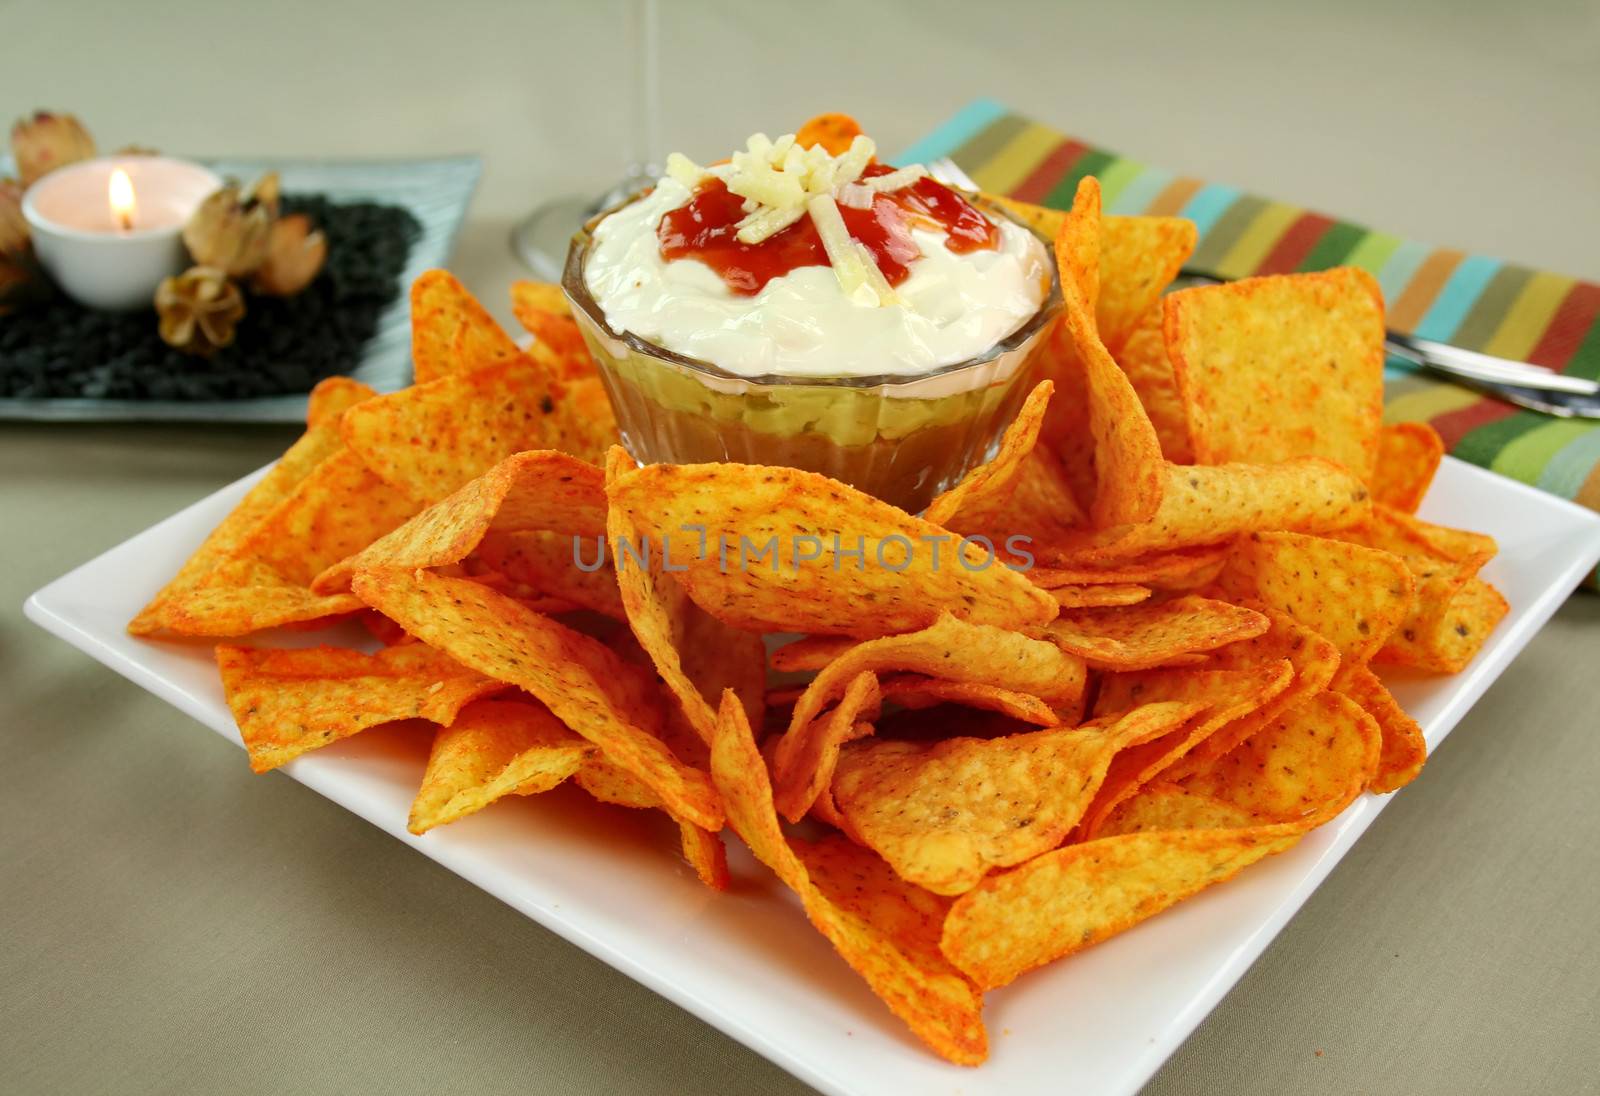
pixel 171 923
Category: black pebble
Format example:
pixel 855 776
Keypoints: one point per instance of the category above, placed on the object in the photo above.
pixel 284 345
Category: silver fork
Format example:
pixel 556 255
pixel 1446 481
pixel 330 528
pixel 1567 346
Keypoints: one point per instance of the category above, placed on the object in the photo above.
pixel 1519 383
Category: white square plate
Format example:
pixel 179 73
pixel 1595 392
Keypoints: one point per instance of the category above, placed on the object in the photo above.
pixel 747 963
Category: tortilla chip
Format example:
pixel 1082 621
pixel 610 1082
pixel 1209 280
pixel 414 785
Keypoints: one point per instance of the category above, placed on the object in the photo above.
pixel 1070 899
pixel 494 748
pixel 1185 569
pixel 542 490
pixel 746 510
pixel 916 691
pixel 884 928
pixel 263 581
pixel 1303 760
pixel 1143 357
pixel 1127 456
pixel 1206 505
pixel 288 702
pixel 945 813
pixel 541 564
pixel 1455 637
pixel 1403 749
pixel 429 440
pixel 810 653
pixel 1139 257
pixel 1218 698
pixel 1164 806
pixel 1139 637
pixel 1314 659
pixel 984 494
pixel 1099 597
pixel 584 684
pixel 1354 596
pixel 952 650
pixel 803 762
pixel 1284 366
pixel 320 441
pixel 542 309
pixel 1408 456
pixel 834 132
pixel 447 321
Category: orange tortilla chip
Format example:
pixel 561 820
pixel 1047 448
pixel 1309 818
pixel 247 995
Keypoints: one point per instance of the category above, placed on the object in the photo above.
pixel 1403 749
pixel 1455 637
pixel 759 574
pixel 447 322
pixel 656 607
pixel 541 308
pixel 946 813
pixel 1284 366
pixel 952 650
pixel 321 440
pixel 983 495
pixel 804 761
pixel 542 490
pixel 1208 504
pixel 1314 659
pixel 916 692
pixel 494 748
pixel 1139 257
pixel 1300 762
pixel 584 684
pixel 1166 806
pixel 1354 596
pixel 1099 597
pixel 540 564
pixel 288 702
pixel 429 440
pixel 1139 637
pixel 834 132
pixel 263 581
pixel 1222 697
pixel 1179 570
pixel 1408 456
pixel 1070 899
pixel 1143 357
pixel 1127 455
pixel 886 929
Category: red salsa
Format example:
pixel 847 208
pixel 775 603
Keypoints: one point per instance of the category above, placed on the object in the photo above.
pixel 705 229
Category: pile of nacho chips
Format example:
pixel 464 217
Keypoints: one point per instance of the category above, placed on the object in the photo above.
pixel 964 765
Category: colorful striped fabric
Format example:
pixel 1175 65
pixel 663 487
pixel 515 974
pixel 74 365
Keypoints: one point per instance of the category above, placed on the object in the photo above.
pixel 1472 301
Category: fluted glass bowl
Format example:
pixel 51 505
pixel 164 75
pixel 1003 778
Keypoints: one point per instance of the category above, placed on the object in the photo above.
pixel 901 437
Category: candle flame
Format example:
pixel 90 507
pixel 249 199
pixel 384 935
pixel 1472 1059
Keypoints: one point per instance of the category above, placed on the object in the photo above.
pixel 120 194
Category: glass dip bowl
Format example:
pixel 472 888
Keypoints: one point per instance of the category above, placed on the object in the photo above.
pixel 901 437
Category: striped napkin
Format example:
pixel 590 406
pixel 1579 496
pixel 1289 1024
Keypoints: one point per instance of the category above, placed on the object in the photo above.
pixel 1472 301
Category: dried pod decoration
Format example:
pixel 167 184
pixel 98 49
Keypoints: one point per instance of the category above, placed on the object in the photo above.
pixel 295 254
pixel 231 229
pixel 46 141
pixel 20 277
pixel 199 310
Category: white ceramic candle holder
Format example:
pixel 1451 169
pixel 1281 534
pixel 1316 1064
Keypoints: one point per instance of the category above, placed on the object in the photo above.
pixel 100 259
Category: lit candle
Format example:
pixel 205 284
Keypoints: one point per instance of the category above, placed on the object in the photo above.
pixel 119 193
pixel 109 230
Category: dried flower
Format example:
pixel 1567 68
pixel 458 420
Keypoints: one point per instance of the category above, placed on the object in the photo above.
pixel 14 237
pixel 230 230
pixel 295 255
pixel 264 192
pixel 20 277
pixel 199 310
pixel 47 141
